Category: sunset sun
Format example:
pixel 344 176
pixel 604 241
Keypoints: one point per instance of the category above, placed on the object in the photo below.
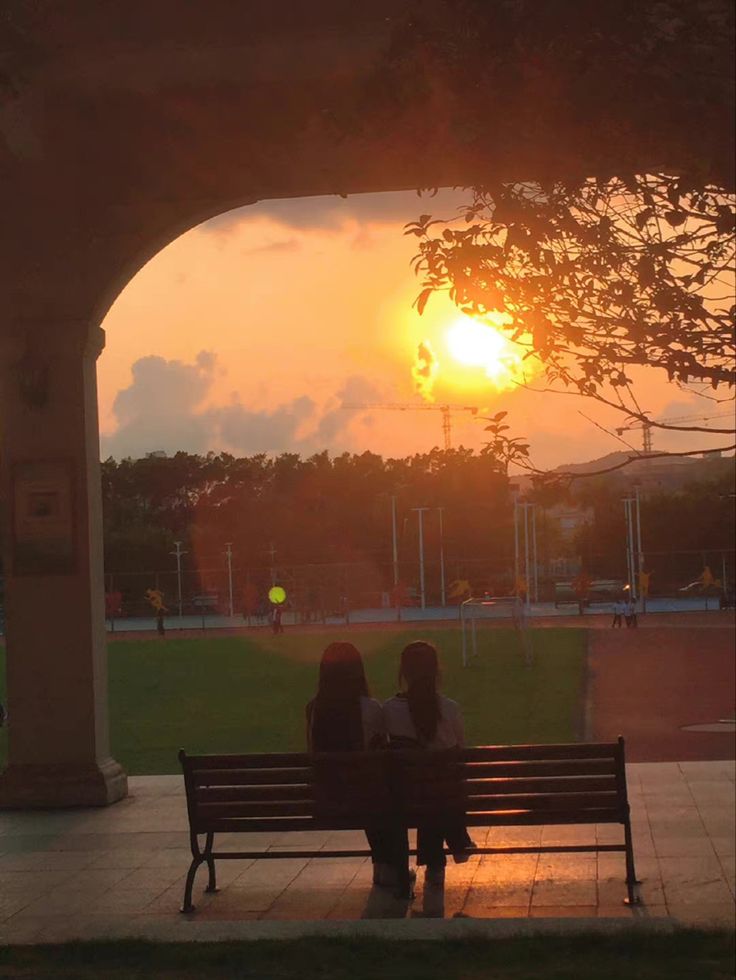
pixel 478 345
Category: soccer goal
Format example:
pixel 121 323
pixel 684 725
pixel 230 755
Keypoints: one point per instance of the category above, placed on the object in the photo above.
pixel 500 611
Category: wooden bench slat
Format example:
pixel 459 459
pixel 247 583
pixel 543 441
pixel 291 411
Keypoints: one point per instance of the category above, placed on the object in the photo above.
pixel 536 818
pixel 552 767
pixel 431 771
pixel 224 794
pixel 252 777
pixel 510 795
pixel 256 808
pixel 535 753
pixel 267 760
pixel 543 801
pixel 273 825
pixel 560 784
pixel 280 760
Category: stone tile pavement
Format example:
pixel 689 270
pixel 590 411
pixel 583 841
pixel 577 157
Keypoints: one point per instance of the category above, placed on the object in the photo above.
pixel 120 872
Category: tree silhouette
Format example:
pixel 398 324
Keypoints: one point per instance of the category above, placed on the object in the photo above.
pixel 598 276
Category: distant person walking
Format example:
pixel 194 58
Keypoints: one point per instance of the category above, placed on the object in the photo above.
pixel 631 620
pixel 618 611
pixel 156 598
pixel 276 624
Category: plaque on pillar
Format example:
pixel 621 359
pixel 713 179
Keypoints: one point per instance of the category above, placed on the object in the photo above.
pixel 43 517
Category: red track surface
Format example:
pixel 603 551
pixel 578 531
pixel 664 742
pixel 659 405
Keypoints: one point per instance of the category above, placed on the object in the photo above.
pixel 646 684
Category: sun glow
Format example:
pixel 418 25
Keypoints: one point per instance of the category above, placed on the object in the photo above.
pixel 478 345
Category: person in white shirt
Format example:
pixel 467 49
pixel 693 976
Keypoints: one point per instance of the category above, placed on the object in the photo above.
pixel 343 717
pixel 420 716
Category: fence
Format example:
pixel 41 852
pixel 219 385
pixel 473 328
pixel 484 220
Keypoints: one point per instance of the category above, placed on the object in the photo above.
pixel 316 591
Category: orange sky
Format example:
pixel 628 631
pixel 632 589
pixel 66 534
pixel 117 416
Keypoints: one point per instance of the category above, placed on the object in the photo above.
pixel 250 331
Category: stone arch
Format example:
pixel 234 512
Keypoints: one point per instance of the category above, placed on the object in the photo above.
pixel 121 126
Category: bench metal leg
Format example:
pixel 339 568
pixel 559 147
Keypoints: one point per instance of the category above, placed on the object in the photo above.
pixel 187 904
pixel 212 881
pixel 631 879
pixel 198 857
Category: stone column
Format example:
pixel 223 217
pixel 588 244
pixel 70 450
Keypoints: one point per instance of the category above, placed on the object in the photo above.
pixel 59 751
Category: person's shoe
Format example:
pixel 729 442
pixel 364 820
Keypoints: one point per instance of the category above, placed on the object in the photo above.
pixel 434 875
pixel 404 893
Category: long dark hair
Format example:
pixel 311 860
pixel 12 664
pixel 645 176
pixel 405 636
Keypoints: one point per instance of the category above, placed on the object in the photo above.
pixel 419 674
pixel 334 717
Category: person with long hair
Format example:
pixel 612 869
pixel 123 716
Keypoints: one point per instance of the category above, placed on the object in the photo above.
pixel 420 717
pixel 343 717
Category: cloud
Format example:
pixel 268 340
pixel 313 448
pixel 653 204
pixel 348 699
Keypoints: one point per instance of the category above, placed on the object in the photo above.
pixel 251 432
pixel 424 370
pixel 333 212
pixel 164 408
pixel 356 391
pixel 285 246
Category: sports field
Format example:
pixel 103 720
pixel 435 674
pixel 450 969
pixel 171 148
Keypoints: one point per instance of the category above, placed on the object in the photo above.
pixel 247 693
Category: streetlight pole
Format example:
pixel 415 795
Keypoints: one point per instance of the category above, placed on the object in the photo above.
pixel 394 541
pixel 640 556
pixel 535 563
pixel 442 558
pixel 229 555
pixel 516 546
pixel 526 555
pixel 272 552
pixel 420 511
pixel 629 503
pixel 178 555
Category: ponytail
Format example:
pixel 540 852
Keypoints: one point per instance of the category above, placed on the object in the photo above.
pixel 419 673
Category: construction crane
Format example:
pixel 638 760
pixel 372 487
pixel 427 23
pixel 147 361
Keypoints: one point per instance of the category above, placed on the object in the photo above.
pixel 646 427
pixel 419 407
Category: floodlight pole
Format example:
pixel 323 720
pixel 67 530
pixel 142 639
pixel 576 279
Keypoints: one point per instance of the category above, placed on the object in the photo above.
pixel 272 552
pixel 394 541
pixel 178 555
pixel 229 555
pixel 442 558
pixel 638 545
pixel 630 553
pixel 420 511
pixel 516 546
pixel 526 554
pixel 535 563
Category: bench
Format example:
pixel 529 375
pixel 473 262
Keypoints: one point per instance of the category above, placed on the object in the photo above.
pixel 493 786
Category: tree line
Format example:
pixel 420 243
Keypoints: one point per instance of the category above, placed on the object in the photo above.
pixel 287 511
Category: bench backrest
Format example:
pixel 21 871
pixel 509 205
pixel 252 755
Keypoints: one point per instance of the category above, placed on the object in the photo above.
pixel 284 791
pixel 519 784
pixel 501 784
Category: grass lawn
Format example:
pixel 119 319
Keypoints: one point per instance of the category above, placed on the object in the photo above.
pixel 680 956
pixel 247 693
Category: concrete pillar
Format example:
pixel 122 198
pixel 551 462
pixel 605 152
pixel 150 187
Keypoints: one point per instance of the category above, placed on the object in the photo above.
pixel 53 565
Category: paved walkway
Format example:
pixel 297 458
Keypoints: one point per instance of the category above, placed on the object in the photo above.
pixel 119 871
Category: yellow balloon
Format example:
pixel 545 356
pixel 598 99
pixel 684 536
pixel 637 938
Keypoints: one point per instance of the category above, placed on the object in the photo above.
pixel 277 595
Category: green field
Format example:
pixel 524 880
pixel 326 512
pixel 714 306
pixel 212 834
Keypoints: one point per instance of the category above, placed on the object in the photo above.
pixel 683 955
pixel 247 693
